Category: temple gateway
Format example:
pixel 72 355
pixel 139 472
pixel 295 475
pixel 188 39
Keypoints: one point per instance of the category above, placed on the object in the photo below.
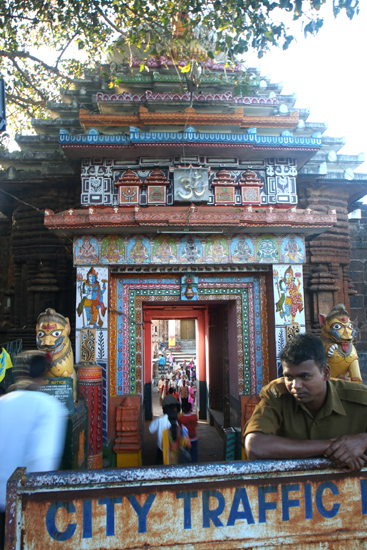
pixel 223 211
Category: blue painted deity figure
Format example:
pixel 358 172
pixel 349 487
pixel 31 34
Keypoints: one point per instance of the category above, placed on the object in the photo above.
pixel 242 251
pixel 190 251
pixel 91 303
pixel 292 250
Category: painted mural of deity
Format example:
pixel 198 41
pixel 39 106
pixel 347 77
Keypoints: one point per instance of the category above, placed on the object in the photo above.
pixel 293 250
pixel 268 250
pixel 216 249
pixel 290 301
pixel 165 249
pixel 113 250
pixel 91 305
pixel 242 249
pixel 86 250
pixel 138 250
pixel 191 249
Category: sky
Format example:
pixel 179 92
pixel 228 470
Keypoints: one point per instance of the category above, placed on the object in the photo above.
pixel 328 73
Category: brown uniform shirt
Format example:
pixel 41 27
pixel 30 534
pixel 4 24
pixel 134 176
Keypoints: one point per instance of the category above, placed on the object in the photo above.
pixel 278 413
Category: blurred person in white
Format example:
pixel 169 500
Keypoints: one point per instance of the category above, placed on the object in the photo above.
pixel 32 425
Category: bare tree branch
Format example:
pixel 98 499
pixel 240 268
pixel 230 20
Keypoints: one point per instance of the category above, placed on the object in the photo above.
pixel 64 49
pixel 21 101
pixel 25 55
pixel 27 79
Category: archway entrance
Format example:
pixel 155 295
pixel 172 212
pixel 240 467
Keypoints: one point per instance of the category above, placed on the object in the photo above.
pixel 232 345
pixel 198 313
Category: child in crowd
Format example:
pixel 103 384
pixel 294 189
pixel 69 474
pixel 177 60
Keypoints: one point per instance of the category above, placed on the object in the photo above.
pixel 189 419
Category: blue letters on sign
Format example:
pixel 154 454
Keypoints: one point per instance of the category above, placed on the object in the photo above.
pixel 320 505
pixel 110 514
pixel 240 496
pixel 187 506
pixel 364 495
pixel 212 514
pixel 286 501
pixel 263 505
pixel 87 519
pixel 308 501
pixel 142 511
pixel 51 524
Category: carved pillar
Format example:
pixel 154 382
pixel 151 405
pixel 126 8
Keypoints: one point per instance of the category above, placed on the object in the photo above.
pixel 90 389
pixel 327 280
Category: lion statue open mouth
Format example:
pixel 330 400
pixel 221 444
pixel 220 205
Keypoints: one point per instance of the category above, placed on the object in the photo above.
pixel 337 334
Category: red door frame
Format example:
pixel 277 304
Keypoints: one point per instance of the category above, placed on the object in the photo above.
pixel 200 313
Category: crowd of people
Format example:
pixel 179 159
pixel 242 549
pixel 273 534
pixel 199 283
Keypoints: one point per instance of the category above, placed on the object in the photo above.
pixel 176 429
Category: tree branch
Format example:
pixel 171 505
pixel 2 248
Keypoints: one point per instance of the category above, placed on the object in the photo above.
pixel 64 49
pixel 24 102
pixel 110 23
pixel 25 55
pixel 27 79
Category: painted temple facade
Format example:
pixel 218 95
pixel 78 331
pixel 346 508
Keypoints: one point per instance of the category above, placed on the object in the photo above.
pixel 230 210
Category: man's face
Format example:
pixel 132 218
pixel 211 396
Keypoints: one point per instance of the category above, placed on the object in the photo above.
pixel 307 383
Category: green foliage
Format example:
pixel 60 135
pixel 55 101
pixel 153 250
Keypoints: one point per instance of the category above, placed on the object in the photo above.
pixel 40 40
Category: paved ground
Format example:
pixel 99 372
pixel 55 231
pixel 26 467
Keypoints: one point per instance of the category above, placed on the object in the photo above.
pixel 210 443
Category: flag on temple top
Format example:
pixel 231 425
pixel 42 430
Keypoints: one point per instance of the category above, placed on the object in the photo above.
pixel 5 363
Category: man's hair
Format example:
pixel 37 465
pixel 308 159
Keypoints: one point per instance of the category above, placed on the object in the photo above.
pixel 31 364
pixel 186 407
pixel 302 348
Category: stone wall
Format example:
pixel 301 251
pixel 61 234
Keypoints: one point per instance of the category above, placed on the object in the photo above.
pixel 358 274
pixel 38 264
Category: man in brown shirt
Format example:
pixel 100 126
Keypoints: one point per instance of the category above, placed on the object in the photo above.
pixel 305 414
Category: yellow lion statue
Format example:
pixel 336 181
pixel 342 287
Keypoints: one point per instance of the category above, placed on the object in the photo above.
pixel 337 335
pixel 53 331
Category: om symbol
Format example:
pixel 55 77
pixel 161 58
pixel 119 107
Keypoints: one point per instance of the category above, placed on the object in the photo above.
pixel 192 187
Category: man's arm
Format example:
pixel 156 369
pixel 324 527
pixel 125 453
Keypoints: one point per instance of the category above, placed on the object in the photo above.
pixel 347 452
pixel 265 446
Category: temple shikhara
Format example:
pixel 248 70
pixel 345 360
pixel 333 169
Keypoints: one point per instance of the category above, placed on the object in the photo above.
pixel 155 202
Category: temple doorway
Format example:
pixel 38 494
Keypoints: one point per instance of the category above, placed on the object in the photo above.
pixel 177 332
pixel 214 348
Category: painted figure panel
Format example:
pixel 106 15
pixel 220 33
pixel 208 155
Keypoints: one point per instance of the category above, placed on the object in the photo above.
pixel 216 249
pixel 288 294
pixel 190 249
pixel 86 250
pixel 92 297
pixel 164 250
pixel 138 250
pixel 267 249
pixel 242 249
pixel 293 249
pixel 112 250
